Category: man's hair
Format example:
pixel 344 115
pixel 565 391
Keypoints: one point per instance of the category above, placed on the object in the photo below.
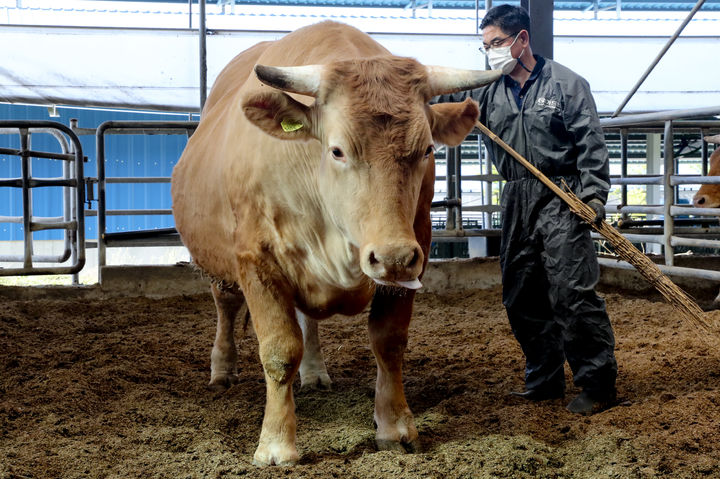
pixel 507 18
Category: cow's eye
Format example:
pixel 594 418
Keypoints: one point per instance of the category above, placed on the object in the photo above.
pixel 338 154
pixel 429 150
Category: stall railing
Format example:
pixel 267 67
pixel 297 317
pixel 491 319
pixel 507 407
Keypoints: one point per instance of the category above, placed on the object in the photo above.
pixel 72 221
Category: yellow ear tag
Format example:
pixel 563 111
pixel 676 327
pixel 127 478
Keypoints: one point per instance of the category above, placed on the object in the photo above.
pixel 289 125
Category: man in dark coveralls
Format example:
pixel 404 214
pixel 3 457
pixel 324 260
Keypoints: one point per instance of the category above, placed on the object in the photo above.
pixel 549 266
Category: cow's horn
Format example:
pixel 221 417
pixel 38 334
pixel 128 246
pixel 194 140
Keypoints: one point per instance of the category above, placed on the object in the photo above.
pixel 713 139
pixel 450 80
pixel 304 80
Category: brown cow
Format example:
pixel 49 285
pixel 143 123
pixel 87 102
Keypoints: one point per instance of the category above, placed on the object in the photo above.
pixel 708 196
pixel 302 202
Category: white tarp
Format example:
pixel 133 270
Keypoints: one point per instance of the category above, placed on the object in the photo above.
pixel 158 69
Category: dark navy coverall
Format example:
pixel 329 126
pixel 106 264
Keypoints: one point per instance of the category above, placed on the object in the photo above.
pixel 549 265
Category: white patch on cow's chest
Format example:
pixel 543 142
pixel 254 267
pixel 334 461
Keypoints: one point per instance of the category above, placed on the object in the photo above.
pixel 336 261
pixel 329 258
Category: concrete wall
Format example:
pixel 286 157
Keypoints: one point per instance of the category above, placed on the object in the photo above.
pixel 440 277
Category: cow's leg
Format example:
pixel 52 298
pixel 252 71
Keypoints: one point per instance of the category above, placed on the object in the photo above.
pixel 313 373
pixel 388 329
pixel 281 349
pixel 223 359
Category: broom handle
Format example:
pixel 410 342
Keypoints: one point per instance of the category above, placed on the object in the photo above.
pixel 590 213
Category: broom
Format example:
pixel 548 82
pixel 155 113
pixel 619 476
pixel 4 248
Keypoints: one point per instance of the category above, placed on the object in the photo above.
pixel 624 249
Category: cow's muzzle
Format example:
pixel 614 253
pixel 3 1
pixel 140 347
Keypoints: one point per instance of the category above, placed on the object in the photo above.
pixel 396 264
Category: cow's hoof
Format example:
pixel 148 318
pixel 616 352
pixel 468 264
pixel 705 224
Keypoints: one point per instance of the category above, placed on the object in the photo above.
pixel 281 464
pixel 397 446
pixel 316 382
pixel 222 382
pixel 264 459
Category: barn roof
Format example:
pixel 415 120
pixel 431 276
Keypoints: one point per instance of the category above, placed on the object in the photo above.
pixel 634 5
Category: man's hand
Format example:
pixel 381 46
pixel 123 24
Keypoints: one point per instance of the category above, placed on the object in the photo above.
pixel 599 210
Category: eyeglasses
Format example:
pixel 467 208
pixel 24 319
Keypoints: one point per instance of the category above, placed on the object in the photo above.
pixel 496 43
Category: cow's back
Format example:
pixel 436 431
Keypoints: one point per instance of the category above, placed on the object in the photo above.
pixel 234 75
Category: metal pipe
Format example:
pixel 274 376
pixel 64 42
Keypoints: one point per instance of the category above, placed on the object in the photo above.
pixel 38 154
pixel 642 119
pixel 464 233
pixel 101 220
pixel 704 149
pixel 640 238
pixel 484 208
pixel 487 184
pixel 26 196
pixel 138 212
pixel 69 207
pixel 39 182
pixel 669 270
pixel 689 210
pixel 686 232
pixel 75 229
pixel 458 187
pixel 450 183
pixel 652 210
pixel 130 179
pixel 702 243
pixel 36 219
pixel 692 180
pixel 121 127
pixel 658 57
pixel 35 258
pixel 488 177
pixel 38 271
pixel 668 193
pixel 63 225
pixel 202 33
pixel 636 180
pixel 190 14
pixel 623 166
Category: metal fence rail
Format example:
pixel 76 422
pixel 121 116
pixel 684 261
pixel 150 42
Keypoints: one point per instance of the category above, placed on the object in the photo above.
pixel 455 215
pixel 72 184
pixel 161 237
pixel 667 124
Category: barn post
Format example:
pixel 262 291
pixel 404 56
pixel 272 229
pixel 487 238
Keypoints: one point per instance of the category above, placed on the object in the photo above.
pixel 203 56
pixel 450 223
pixel 669 193
pixel 541 26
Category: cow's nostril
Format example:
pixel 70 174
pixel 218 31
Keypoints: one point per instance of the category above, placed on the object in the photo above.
pixel 413 261
pixel 372 259
pixel 700 201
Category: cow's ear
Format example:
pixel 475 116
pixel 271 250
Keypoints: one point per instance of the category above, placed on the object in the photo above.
pixel 451 122
pixel 279 115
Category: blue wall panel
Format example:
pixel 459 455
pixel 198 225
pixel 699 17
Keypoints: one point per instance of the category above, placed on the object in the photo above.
pixel 126 155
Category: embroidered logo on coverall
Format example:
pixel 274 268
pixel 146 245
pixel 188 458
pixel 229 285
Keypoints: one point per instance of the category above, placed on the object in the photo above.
pixel 548 103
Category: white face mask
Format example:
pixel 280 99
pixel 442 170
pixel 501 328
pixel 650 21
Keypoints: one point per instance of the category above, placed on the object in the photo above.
pixel 500 58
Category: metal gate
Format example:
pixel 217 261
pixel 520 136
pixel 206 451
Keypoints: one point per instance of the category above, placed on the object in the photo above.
pixel 70 186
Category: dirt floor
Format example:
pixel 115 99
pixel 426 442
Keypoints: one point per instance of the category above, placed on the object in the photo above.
pixel 117 388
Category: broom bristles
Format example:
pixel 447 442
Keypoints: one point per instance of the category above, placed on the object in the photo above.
pixel 644 265
pixel 624 248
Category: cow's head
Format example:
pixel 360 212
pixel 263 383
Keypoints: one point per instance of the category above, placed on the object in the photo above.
pixel 708 196
pixel 377 134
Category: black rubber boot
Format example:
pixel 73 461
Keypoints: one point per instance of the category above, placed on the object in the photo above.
pixel 587 404
pixel 539 394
